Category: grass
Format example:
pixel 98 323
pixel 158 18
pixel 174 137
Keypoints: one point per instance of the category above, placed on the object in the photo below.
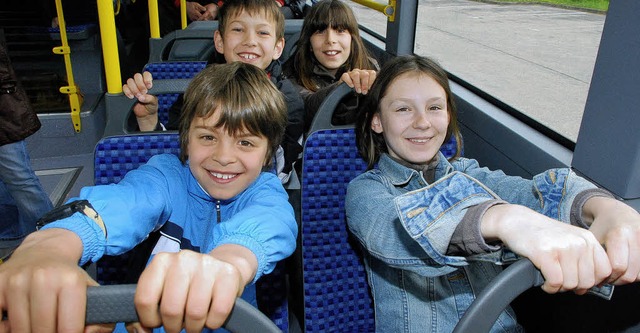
pixel 598 5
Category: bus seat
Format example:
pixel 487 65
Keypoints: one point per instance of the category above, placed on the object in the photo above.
pixel 116 155
pixel 168 71
pixel 336 292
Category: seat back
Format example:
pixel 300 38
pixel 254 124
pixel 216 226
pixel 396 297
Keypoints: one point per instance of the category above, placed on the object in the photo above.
pixel 119 107
pixel 336 292
pixel 117 155
pixel 195 43
pixel 172 70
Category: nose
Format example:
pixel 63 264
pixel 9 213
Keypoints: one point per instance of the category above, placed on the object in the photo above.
pixel 421 120
pixel 330 36
pixel 250 38
pixel 224 154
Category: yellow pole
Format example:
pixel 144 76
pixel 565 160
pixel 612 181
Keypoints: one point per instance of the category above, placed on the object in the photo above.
pixel 154 21
pixel 386 9
pixel 109 46
pixel 183 13
pixel 71 89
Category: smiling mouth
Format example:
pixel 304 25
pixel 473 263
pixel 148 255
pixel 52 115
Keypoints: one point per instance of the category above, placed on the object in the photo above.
pixel 331 53
pixel 248 56
pixel 421 140
pixel 223 176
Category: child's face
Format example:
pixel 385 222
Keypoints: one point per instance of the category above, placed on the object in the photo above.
pixel 224 165
pixel 413 118
pixel 250 39
pixel 331 47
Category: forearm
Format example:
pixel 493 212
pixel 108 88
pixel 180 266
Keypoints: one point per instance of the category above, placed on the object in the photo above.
pixel 240 257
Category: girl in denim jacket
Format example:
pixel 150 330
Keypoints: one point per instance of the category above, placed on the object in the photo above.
pixel 433 230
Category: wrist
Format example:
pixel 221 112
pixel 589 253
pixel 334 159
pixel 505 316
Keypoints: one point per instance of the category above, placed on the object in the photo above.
pixel 60 243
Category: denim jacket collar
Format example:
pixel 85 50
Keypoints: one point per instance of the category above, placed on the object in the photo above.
pixel 400 175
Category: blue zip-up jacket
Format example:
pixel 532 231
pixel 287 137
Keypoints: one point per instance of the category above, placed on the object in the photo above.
pixel 163 195
pixel 405 226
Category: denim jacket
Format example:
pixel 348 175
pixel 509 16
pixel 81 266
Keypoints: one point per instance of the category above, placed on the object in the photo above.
pixel 405 225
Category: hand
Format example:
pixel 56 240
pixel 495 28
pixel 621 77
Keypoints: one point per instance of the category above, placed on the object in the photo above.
pixel 188 288
pixel 146 110
pixel 617 226
pixel 360 80
pixel 42 287
pixel 210 13
pixel 570 258
pixel 195 11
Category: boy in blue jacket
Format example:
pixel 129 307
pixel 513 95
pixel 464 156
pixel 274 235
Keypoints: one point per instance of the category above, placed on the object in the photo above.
pixel 249 31
pixel 223 221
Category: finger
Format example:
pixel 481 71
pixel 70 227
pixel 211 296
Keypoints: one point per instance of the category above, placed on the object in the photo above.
pixel 569 264
pixel 100 328
pixel 364 82
pixel 149 291
pixel 198 302
pixel 224 297
pixel 44 304
pixel 127 92
pixel 73 296
pixel 137 328
pixel 131 89
pixel 147 77
pixel 552 273
pixel 355 78
pixel 602 266
pixel 18 307
pixel 372 78
pixel 347 79
pixel 618 256
pixel 174 299
pixel 140 83
pixel 625 266
pixel 586 271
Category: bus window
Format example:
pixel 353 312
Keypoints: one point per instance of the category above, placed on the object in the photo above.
pixel 536 59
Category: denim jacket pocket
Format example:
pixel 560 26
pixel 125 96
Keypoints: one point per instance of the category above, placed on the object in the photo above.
pixel 431 214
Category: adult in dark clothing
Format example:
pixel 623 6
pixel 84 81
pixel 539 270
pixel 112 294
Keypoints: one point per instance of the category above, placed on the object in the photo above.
pixel 20 186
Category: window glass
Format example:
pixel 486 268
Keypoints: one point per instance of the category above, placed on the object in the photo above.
pixel 536 58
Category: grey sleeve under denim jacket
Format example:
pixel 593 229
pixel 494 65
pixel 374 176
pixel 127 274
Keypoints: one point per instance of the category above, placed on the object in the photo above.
pixel 407 223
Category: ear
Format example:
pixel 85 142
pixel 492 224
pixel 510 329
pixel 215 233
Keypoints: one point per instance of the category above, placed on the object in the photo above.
pixel 217 41
pixel 376 125
pixel 279 48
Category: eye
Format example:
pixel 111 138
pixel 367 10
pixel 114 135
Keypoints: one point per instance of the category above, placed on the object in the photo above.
pixel 264 33
pixel 207 137
pixel 342 30
pixel 236 29
pixel 403 109
pixel 246 143
pixel 436 108
pixel 320 32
